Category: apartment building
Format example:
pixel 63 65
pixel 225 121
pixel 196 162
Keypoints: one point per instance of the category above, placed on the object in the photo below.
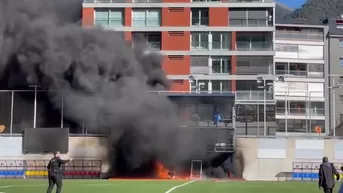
pixel 335 79
pixel 223 44
pixel 301 58
pixel 208 45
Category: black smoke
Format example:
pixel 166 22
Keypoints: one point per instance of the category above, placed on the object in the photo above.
pixel 103 81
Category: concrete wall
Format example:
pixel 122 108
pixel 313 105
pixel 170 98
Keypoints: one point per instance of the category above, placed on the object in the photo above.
pixel 91 148
pixel 264 159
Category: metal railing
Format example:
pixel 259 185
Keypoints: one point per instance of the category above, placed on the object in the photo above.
pixel 200 21
pixel 160 1
pixel 210 46
pixel 154 45
pixel 298 73
pixel 250 22
pixel 253 95
pixel 109 22
pixel 146 22
pixel 123 1
pixel 300 111
pixel 284 35
pixel 254 46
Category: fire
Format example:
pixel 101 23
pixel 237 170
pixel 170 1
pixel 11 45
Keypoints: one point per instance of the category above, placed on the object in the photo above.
pixel 165 173
pixel 162 172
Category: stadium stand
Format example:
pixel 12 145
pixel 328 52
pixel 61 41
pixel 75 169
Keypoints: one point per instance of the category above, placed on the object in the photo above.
pixel 308 171
pixel 77 169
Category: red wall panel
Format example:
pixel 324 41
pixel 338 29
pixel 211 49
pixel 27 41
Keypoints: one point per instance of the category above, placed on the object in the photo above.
pixel 87 17
pixel 176 40
pixel 176 16
pixel 218 16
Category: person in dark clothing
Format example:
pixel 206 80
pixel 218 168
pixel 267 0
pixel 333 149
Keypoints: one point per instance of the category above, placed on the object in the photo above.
pixel 327 174
pixel 55 172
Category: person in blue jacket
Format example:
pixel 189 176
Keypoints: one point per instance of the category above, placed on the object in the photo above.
pixel 217 118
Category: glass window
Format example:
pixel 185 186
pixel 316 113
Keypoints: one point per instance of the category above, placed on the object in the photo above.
pixel 199 40
pixel 138 17
pixel 341 43
pixel 101 17
pixel 116 18
pixel 341 62
pixel 153 17
pixel 109 17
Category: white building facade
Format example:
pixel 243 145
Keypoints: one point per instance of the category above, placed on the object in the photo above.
pixel 301 58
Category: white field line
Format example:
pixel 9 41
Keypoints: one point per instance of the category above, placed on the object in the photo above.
pixel 12 186
pixel 179 186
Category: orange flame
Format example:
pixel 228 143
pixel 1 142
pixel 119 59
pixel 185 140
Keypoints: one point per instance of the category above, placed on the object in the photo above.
pixel 164 173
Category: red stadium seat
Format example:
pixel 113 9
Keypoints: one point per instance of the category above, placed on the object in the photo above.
pixel 67 173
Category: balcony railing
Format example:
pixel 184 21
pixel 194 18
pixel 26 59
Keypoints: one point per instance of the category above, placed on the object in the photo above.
pixel 160 1
pixel 203 1
pixel 211 46
pixel 297 73
pixel 154 45
pixel 146 22
pixel 300 111
pixel 254 46
pixel 250 22
pixel 254 95
pixel 284 35
pixel 200 22
pixel 123 1
pixel 109 22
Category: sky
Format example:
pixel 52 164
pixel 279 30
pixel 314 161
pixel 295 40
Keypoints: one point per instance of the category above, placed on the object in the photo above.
pixel 292 3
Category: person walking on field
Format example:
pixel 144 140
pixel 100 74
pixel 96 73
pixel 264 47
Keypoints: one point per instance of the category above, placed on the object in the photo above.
pixel 327 175
pixel 55 172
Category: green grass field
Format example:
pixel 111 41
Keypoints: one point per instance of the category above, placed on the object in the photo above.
pixel 159 186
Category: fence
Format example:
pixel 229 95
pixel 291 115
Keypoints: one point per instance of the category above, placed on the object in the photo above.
pixel 308 171
pixel 76 169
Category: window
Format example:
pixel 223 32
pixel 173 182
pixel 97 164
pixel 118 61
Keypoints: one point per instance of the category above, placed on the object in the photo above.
pixel 221 41
pixel 109 17
pixel 341 43
pixel 221 85
pixel 341 62
pixel 143 17
pixel 253 41
pixel 252 17
pixel 199 41
pixel 200 17
pixel 221 65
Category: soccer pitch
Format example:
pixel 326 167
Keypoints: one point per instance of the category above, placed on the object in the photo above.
pixel 159 186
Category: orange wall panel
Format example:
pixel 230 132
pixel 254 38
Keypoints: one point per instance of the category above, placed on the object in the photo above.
pixel 218 16
pixel 87 17
pixel 176 16
pixel 179 85
pixel 180 66
pixel 176 40
pixel 128 16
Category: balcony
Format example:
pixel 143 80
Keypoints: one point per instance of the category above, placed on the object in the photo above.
pixel 210 46
pixel 154 45
pixel 254 97
pixel 146 22
pixel 299 74
pixel 200 22
pixel 300 113
pixel 301 36
pixel 250 23
pixel 254 46
pixel 160 1
pixel 122 1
